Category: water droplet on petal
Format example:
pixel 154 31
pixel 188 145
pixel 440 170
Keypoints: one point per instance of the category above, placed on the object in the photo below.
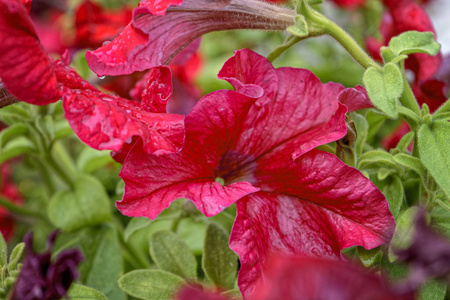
pixel 101 77
pixel 105 43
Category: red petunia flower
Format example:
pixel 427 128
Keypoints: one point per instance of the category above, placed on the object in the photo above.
pixel 152 39
pixel 255 145
pixel 100 120
pixel 313 278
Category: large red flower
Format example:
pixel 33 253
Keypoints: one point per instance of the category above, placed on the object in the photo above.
pixel 152 39
pixel 255 145
pixel 100 120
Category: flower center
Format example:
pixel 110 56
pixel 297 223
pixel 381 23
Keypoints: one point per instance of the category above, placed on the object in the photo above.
pixel 235 167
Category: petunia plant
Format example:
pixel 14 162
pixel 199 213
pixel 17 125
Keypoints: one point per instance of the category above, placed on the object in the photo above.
pixel 317 166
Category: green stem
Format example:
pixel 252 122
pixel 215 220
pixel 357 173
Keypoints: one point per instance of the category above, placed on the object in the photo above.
pixel 319 23
pixel 20 210
pixel 408 99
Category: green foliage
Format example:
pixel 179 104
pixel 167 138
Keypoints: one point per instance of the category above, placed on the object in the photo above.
pixel 150 284
pixel 403 232
pixel 414 42
pixel 78 291
pixel 219 262
pixel 3 251
pixel 171 254
pixel 392 189
pixel 102 265
pixel 433 290
pixel 16 256
pixel 370 257
pixel 86 205
pixel 434 151
pixel 384 88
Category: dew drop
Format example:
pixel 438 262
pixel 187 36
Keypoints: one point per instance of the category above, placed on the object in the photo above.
pixel 105 43
pixel 101 77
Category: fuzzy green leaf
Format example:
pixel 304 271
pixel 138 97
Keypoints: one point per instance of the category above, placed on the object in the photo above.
pixel 150 284
pixel 375 159
pixel 384 88
pixel 134 225
pixel 434 151
pixel 414 42
pixel 78 291
pixel 411 162
pixel 171 254
pixel 403 231
pixel 87 205
pixel 16 256
pixel 3 251
pixel 433 290
pixel 218 261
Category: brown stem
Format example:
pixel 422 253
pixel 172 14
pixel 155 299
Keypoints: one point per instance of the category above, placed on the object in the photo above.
pixel 6 98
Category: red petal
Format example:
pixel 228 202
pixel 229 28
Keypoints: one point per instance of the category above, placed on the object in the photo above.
pixel 431 92
pixel 25 68
pixel 355 98
pixel 27 4
pixel 152 183
pixel 288 277
pixel 303 114
pixel 310 207
pixel 95 25
pixel 107 122
pixel 158 7
pixel 153 40
pixel 157 90
pixel 193 293
pixel 349 3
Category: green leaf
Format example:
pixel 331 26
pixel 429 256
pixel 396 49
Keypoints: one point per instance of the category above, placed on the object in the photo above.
pixel 91 160
pixel 171 254
pixel 102 266
pixel 434 151
pixel 11 133
pixel 443 109
pixel 78 291
pixel 134 225
pixel 440 220
pixel 392 189
pixel 370 257
pixel 300 28
pixel 16 256
pixel 403 231
pixel 219 262
pixel 87 205
pixel 16 147
pixel 414 42
pixel 405 141
pixel 375 159
pixel 193 233
pixel 411 162
pixel 384 88
pixel 150 284
pixel 375 121
pixel 3 251
pixel 362 130
pixel 433 290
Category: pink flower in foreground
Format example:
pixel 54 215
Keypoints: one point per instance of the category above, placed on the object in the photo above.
pixel 255 145
pixel 154 39
pixel 100 120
